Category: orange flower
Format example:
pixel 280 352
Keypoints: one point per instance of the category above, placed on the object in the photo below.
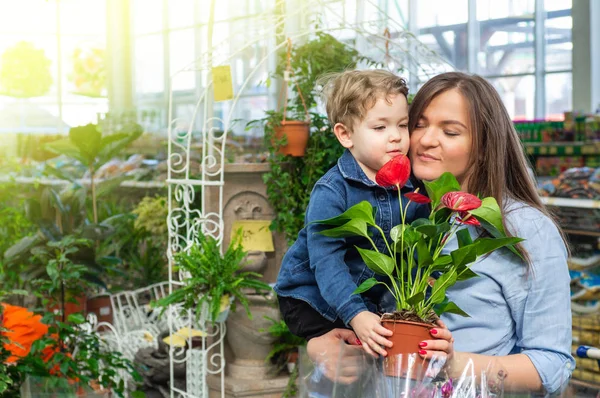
pixel 23 328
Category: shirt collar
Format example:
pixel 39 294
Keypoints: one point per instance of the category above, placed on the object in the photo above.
pixel 351 170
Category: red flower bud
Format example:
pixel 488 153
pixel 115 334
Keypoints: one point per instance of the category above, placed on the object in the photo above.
pixel 464 217
pixel 417 197
pixel 460 201
pixel 394 173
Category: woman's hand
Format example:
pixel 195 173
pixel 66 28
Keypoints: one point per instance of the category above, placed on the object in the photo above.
pixel 441 346
pixel 325 350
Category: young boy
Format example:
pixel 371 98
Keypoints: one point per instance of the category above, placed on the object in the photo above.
pixel 369 112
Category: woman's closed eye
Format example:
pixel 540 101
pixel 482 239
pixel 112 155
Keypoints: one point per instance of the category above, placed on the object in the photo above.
pixel 403 126
pixel 379 128
pixel 451 133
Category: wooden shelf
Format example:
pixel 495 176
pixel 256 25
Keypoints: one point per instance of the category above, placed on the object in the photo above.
pixel 562 148
pixel 567 202
pixel 53 182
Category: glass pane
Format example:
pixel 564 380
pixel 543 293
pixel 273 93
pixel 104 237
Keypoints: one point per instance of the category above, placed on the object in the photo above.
pixel 182 55
pixel 553 5
pixel 84 66
pixel 559 46
pixel 230 9
pixel 497 10
pixel 28 16
pixel 83 17
pixel 506 32
pixel 441 12
pixel 147 16
pixel 450 45
pixel 148 64
pixel 397 11
pixel 559 95
pixel 518 95
pixel 506 50
pixel 81 114
pixel 181 13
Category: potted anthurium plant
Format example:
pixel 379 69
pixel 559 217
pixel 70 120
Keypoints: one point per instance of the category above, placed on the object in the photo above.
pixel 415 268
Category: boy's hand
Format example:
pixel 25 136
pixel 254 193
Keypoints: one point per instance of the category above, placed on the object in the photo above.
pixel 369 330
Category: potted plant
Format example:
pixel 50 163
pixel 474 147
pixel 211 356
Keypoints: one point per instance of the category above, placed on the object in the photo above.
pixel 50 353
pixel 414 258
pixel 285 348
pixel 25 71
pixel 291 179
pixel 213 281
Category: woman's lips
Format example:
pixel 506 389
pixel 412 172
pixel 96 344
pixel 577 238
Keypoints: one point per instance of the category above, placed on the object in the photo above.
pixel 427 158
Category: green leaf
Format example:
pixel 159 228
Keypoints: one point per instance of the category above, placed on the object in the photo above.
pixel 351 228
pixel 433 230
pixel 76 318
pixel 464 237
pixel 421 221
pixel 442 185
pixel 406 232
pixel 438 292
pixel 423 256
pixel 67 148
pixel 449 307
pixel 366 285
pixel 441 262
pixel 52 271
pixel 464 255
pixel 498 235
pixel 487 245
pixel 378 262
pixel 490 212
pixel 416 299
pixel 465 273
pixel 88 140
pixel 362 211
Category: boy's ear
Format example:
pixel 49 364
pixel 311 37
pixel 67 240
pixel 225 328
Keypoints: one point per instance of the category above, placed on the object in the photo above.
pixel 343 134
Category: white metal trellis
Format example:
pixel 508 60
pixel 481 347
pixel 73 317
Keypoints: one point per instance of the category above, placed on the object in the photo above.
pixel 187 186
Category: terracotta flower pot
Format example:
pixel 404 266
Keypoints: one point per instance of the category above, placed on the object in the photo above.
pixel 297 133
pixel 406 338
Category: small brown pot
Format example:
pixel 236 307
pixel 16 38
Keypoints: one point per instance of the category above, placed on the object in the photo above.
pixel 406 338
pixel 102 307
pixel 297 133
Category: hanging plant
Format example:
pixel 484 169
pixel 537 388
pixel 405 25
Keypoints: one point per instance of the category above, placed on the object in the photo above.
pixel 24 71
pixel 89 72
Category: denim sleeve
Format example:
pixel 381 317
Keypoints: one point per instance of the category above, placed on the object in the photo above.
pixel 327 254
pixel 543 318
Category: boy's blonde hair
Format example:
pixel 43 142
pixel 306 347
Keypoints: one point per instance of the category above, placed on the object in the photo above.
pixel 349 95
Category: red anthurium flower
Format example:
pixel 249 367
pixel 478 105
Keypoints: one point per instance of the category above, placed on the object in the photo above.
pixel 417 197
pixel 464 217
pixel 461 201
pixel 394 173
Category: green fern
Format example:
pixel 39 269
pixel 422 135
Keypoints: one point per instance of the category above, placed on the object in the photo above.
pixel 211 276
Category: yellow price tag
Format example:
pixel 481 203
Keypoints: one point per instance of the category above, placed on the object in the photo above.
pixel 544 150
pixel 569 150
pixel 553 150
pixel 530 150
pixel 222 83
pixel 256 234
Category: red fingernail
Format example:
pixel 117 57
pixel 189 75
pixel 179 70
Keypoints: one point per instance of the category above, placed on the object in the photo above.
pixel 422 344
pixel 422 352
pixel 358 342
pixel 434 331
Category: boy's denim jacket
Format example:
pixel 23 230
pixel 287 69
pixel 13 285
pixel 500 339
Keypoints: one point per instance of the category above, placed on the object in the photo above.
pixel 325 271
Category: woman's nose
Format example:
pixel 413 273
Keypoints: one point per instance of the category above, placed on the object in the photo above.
pixel 428 138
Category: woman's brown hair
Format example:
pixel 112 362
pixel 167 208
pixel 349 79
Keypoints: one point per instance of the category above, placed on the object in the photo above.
pixel 497 165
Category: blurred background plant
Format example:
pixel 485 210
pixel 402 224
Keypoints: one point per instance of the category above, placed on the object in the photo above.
pixel 24 71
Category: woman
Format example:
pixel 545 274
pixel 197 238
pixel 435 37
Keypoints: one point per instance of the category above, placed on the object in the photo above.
pixel 520 316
